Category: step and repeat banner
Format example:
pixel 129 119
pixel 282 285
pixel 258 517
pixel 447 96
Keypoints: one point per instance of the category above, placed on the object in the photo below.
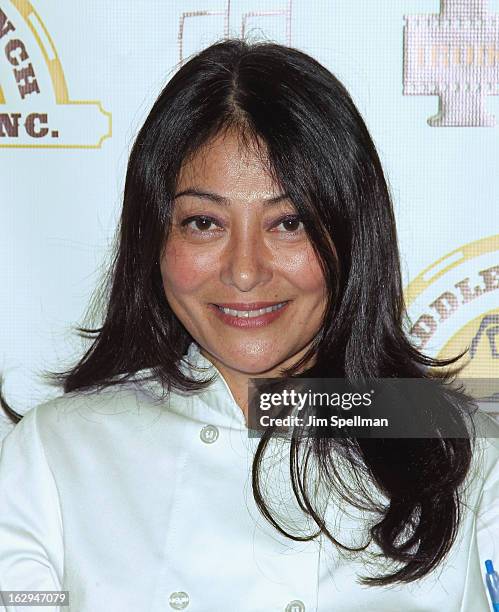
pixel 77 79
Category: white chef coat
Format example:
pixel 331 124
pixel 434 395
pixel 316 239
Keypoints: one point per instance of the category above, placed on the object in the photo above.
pixel 132 503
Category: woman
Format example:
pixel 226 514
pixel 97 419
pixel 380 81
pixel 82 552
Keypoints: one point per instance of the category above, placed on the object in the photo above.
pixel 253 184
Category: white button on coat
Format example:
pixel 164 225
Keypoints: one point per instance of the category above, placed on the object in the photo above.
pixel 209 434
pixel 133 503
pixel 179 600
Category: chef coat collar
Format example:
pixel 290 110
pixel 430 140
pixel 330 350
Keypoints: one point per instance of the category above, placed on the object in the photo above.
pixel 215 404
pixel 217 397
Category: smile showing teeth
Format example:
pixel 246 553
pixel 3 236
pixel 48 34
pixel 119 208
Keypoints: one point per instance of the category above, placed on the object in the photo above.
pixel 250 314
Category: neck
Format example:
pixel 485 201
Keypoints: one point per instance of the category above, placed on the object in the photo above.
pixel 237 380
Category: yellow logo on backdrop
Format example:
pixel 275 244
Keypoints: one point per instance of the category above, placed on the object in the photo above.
pixel 454 305
pixel 35 108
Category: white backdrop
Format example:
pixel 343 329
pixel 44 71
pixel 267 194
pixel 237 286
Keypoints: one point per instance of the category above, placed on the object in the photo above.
pixel 77 80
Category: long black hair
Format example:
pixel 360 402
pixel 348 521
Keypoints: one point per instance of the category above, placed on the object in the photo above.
pixel 318 149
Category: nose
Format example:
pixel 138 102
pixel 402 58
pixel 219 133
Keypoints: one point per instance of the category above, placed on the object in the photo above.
pixel 246 261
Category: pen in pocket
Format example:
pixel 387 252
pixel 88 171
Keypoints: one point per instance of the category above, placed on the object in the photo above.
pixel 492 579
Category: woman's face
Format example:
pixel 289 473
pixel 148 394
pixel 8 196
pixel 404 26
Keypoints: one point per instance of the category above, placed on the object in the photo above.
pixel 240 249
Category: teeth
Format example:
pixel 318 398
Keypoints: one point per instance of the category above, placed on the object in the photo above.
pixel 250 314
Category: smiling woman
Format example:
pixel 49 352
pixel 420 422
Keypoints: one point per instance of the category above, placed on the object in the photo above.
pixel 238 258
pixel 257 240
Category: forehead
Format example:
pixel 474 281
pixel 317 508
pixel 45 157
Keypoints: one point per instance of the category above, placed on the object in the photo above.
pixel 228 166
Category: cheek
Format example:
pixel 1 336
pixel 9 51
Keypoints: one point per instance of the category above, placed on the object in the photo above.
pixel 183 270
pixel 303 271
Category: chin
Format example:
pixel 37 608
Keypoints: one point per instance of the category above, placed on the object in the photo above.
pixel 258 365
pixel 255 370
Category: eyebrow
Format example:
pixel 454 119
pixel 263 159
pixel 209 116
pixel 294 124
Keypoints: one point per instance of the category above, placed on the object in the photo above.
pixel 218 199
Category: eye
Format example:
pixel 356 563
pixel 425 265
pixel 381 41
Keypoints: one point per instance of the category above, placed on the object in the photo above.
pixel 291 223
pixel 201 223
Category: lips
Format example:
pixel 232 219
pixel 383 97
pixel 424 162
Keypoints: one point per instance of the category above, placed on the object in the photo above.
pixel 247 305
pixel 261 318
